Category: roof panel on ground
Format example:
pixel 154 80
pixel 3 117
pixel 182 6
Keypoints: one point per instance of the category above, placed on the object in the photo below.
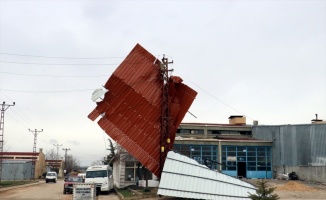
pixel 183 177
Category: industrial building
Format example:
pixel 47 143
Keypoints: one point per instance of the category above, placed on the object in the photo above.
pixel 246 151
pixel 257 151
pixel 297 148
pixel 228 148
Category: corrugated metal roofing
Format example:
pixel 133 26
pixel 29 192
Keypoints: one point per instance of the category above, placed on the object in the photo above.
pixel 19 153
pixel 132 107
pixel 184 177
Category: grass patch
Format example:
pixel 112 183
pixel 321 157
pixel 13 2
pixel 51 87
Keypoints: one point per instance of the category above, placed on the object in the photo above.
pixel 14 183
pixel 126 193
pixel 140 189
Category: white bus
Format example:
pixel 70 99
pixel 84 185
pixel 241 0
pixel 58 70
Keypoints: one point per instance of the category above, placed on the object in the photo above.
pixel 101 176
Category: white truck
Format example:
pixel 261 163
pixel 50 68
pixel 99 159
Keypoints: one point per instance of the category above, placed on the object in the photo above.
pixel 101 176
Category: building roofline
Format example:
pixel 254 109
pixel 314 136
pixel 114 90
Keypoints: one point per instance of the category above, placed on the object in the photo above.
pixel 20 153
pixel 213 124
pixel 223 140
pixel 54 161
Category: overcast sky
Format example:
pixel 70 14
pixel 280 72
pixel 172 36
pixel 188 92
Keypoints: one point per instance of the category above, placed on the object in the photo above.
pixel 262 59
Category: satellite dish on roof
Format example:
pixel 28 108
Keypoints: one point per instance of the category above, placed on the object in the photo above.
pixel 98 93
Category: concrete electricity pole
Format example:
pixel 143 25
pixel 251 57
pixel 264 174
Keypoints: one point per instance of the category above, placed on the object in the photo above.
pixel 35 132
pixel 57 145
pixel 4 107
pixel 165 115
pixel 65 149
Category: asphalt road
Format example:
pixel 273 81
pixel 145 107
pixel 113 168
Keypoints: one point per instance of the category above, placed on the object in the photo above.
pixel 45 191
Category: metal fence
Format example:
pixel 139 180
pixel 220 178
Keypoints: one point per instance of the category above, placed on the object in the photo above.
pixel 16 170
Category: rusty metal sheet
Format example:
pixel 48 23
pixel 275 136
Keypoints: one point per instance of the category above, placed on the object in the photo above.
pixel 132 106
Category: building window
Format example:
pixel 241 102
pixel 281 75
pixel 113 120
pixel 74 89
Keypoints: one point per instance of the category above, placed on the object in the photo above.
pixel 203 154
pixel 213 132
pixel 131 171
pixel 190 131
pixel 256 158
pixel 222 132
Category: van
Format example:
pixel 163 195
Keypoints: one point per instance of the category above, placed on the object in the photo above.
pixel 51 177
pixel 101 176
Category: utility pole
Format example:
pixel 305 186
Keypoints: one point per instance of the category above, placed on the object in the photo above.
pixel 165 118
pixel 35 132
pixel 65 149
pixel 4 107
pixel 57 145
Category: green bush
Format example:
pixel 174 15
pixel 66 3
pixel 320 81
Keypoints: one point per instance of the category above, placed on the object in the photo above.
pixel 263 192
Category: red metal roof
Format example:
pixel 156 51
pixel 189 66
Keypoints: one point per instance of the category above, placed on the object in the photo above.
pixel 20 153
pixel 132 106
pixel 54 161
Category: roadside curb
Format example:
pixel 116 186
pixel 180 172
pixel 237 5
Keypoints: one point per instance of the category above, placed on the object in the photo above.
pixel 20 186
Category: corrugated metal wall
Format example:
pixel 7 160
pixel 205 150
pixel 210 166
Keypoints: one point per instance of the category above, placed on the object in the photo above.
pixel 295 145
pixel 16 170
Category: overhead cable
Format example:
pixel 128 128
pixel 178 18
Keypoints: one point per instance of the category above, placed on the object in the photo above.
pixel 24 63
pixel 37 56
pixel 62 91
pixel 47 75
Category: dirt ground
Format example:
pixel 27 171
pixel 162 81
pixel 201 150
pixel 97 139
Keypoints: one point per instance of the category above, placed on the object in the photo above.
pixel 290 190
pixel 287 190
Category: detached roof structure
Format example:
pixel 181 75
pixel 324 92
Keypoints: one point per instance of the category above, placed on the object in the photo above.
pixel 131 110
pixel 183 177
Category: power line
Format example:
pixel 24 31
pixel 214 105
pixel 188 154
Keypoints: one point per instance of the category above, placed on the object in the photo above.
pixel 219 100
pixel 23 116
pixel 24 63
pixel 47 75
pixel 38 56
pixel 82 90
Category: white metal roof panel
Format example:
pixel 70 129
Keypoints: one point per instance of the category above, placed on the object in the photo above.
pixel 186 178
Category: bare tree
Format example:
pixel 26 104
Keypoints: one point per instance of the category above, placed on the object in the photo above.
pixel 97 162
pixel 24 172
pixel 72 163
pixel 13 170
pixel 51 155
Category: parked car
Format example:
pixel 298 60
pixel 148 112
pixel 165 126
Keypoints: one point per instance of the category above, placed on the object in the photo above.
pixel 69 183
pixel 82 175
pixel 51 177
